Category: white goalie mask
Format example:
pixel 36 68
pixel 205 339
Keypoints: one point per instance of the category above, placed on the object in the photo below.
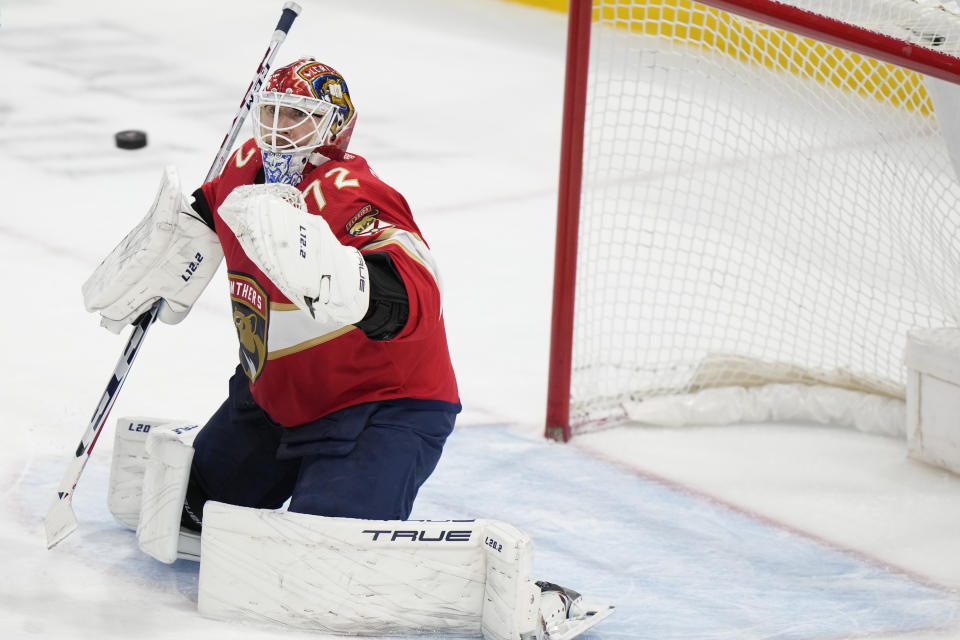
pixel 288 128
pixel 303 106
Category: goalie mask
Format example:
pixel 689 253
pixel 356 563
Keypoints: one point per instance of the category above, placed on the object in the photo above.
pixel 303 107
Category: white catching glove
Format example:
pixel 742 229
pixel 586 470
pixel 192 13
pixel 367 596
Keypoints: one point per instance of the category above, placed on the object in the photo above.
pixel 172 254
pixel 298 252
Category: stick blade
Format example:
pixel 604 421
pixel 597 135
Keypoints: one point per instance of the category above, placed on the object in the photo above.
pixel 60 521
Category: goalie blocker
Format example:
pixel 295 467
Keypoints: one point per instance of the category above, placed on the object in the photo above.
pixel 340 575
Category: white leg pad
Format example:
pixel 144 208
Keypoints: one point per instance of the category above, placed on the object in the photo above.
pixel 363 577
pixel 169 452
pixel 126 469
pixel 511 600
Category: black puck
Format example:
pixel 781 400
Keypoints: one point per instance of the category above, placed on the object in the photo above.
pixel 131 139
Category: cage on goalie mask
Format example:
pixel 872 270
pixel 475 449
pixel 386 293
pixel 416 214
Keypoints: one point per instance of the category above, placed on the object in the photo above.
pixel 303 93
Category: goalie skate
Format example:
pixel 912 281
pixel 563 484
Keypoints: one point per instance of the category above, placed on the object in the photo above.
pixel 564 614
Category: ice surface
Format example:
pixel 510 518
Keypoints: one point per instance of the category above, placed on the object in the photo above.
pixel 759 531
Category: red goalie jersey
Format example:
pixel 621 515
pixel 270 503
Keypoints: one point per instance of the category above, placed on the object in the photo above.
pixel 300 371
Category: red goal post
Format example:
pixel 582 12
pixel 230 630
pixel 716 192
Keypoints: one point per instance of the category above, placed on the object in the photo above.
pixel 822 72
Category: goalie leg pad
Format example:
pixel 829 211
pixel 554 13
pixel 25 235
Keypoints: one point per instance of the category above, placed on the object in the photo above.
pixel 366 577
pixel 125 487
pixel 340 575
pixel 510 600
pixel 381 577
pixel 169 453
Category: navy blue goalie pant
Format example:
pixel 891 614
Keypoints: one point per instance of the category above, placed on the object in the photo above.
pixel 366 461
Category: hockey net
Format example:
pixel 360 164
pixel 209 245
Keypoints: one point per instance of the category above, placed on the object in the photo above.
pixel 757 209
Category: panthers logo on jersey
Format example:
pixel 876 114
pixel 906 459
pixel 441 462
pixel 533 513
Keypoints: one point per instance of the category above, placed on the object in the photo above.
pixel 250 316
pixel 367 222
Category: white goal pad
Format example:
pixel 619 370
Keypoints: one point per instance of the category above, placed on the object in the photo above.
pixel 169 452
pixel 125 489
pixel 367 577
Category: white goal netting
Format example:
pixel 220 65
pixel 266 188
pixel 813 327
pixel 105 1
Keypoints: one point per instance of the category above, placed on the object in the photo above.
pixel 757 207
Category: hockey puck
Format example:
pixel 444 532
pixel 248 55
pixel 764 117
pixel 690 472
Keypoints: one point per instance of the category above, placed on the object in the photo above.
pixel 131 139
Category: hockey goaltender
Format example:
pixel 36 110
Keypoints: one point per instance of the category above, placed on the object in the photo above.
pixel 339 407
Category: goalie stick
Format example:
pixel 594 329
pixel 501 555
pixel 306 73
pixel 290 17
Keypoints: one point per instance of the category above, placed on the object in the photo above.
pixel 61 521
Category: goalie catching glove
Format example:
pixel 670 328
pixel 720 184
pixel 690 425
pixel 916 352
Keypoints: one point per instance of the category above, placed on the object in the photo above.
pixel 298 252
pixel 171 255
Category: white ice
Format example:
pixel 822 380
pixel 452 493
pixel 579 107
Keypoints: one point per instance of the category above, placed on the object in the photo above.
pixel 745 532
